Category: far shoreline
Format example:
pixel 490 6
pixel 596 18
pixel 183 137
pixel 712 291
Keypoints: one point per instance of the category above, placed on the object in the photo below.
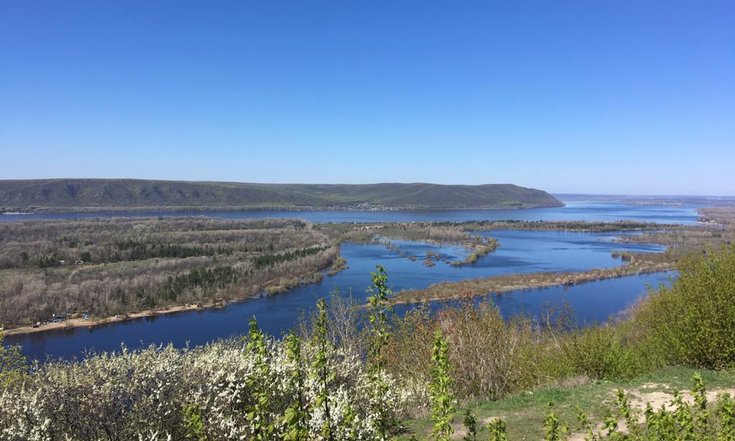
pixel 19 211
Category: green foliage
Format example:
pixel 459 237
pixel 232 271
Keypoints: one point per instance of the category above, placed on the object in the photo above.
pixel 296 416
pixel 701 416
pixel 679 421
pixel 725 413
pixel 135 250
pixel 48 261
pixel 322 375
pixel 257 411
pixel 554 430
pixel 379 294
pixel 599 352
pixel 269 259
pixel 13 366
pixel 470 423
pixel 206 279
pixel 379 334
pixel 194 423
pixel 693 322
pixel 440 389
pixel 497 430
pixel 628 414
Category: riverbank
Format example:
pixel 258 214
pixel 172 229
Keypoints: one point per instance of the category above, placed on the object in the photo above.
pixel 90 323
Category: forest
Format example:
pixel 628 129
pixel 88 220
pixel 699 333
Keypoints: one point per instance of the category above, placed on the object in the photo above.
pixel 102 268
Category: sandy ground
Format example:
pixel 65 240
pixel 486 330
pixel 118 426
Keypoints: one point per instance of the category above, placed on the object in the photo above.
pixel 81 323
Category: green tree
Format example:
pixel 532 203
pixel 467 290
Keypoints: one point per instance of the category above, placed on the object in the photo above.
pixel 257 413
pixel 296 416
pixel 379 335
pixel 320 367
pixel 440 389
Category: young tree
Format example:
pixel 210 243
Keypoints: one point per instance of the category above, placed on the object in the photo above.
pixel 440 388
pixel 320 367
pixel 296 415
pixel 379 335
pixel 258 412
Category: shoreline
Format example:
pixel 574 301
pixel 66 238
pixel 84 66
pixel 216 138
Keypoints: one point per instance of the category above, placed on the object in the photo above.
pixel 238 209
pixel 75 323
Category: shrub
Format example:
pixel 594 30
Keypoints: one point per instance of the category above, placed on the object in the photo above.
pixel 12 365
pixel 693 321
pixel 233 389
pixel 490 356
pixel 600 353
pixel 440 388
pixel 681 420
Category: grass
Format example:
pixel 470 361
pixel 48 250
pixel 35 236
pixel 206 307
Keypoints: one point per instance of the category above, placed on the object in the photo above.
pixel 524 412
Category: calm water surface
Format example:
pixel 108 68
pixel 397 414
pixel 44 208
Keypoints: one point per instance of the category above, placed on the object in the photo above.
pixel 519 252
pixel 590 211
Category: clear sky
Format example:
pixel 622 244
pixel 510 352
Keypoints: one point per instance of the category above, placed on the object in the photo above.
pixel 625 96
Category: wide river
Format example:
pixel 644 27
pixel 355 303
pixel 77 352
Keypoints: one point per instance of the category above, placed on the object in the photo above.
pixel 519 252
pixel 576 210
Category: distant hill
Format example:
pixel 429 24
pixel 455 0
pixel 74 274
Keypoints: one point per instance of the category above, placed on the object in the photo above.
pixel 91 194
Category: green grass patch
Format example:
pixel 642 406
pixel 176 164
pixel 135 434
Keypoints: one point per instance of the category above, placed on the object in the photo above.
pixel 524 412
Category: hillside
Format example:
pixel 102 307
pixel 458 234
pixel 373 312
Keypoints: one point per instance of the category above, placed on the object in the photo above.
pixel 65 194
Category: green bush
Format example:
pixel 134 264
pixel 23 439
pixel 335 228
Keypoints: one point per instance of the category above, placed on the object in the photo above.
pixel 600 353
pixel 693 321
pixel 12 364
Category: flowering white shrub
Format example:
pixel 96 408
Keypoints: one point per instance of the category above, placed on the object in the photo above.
pixel 222 391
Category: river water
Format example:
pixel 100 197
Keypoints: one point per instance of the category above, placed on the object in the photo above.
pixel 576 210
pixel 519 252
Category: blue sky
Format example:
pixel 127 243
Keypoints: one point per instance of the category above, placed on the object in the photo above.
pixel 623 96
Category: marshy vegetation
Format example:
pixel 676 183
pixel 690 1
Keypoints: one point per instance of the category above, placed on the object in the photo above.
pixel 352 372
pixel 435 233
